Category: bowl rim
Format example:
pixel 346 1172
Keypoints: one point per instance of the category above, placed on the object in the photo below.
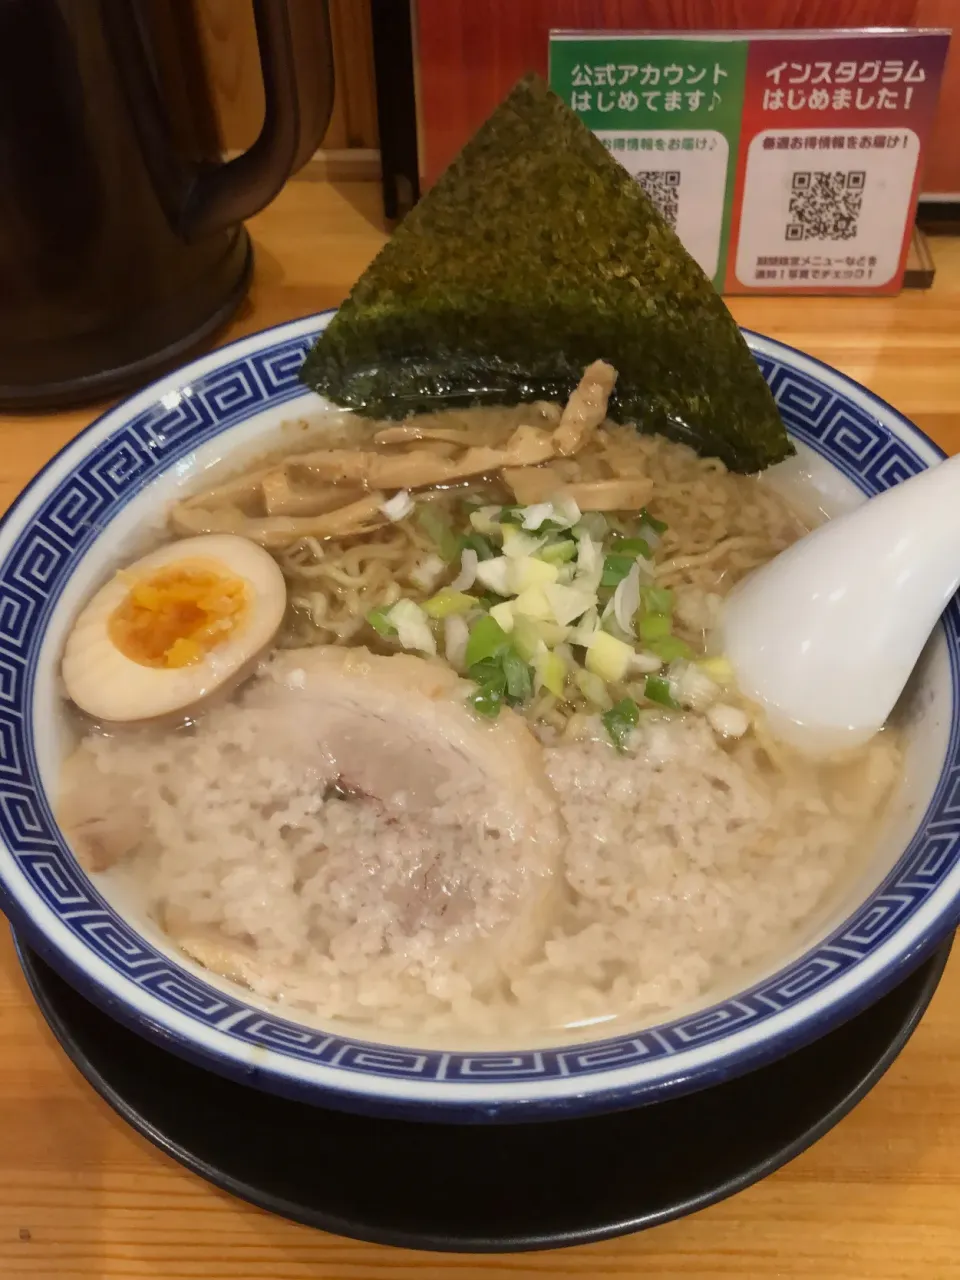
pixel 596 1084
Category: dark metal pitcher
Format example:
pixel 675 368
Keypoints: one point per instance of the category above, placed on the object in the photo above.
pixel 121 237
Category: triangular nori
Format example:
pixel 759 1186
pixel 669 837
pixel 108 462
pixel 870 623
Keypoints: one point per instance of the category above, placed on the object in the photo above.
pixel 534 254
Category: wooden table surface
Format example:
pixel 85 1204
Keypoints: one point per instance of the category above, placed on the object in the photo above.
pixel 82 1197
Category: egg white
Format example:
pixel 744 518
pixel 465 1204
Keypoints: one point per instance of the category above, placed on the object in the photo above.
pixel 110 686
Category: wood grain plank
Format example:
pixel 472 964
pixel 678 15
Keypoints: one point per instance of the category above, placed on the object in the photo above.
pixel 82 1197
pixel 228 40
pixel 229 43
pixel 353 64
pixel 942 169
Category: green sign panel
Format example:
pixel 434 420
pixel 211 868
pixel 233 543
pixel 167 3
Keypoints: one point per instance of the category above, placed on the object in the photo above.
pixel 670 110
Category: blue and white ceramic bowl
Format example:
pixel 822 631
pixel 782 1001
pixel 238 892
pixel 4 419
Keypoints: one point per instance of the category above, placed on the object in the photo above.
pixel 86 512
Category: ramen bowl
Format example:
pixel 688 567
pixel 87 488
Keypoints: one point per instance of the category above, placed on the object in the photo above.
pixel 91 508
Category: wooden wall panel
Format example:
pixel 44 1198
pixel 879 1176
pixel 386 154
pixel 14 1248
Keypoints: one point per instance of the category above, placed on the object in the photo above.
pixel 353 66
pixel 498 40
pixel 943 154
pixel 229 41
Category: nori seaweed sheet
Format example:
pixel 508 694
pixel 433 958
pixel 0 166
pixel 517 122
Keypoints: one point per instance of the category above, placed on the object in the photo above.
pixel 534 254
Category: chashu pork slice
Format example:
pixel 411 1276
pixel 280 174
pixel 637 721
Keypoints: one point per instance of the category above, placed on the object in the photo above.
pixel 103 820
pixel 396 731
pixel 468 869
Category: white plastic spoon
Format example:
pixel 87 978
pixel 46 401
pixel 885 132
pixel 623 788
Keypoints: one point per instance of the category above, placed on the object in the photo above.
pixel 825 635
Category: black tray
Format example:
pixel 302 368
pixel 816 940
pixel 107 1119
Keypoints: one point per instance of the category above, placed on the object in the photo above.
pixel 484 1188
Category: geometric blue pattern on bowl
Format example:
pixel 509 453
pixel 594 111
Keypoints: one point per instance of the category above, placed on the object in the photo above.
pixel 81 504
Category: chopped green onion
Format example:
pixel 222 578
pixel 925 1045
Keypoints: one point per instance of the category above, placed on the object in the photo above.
pixel 490 669
pixel 516 515
pixel 593 688
pixel 658 526
pixel 381 623
pixel 478 543
pixel 518 676
pixel 503 613
pixel 608 657
pixel 594 523
pixel 517 542
pixel 552 633
pixel 653 626
pixel 531 636
pixel 633 547
pixel 490 688
pixel 656 599
pixel 559 552
pixel 551 672
pixel 669 648
pixel 526 637
pixel 619 720
pixel 657 689
pixel 530 571
pixel 487 699
pixel 569 602
pixel 483 520
pixel 615 569
pixel 718 669
pixel 413 627
pixel 501 677
pixel 440 532
pixel 510 515
pixel 489 599
pixel 535 603
pixel 447 602
pixel 487 640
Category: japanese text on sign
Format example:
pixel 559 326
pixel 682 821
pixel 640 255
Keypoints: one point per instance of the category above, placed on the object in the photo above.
pixel 835 142
pixel 632 142
pixel 858 86
pixel 815 267
pixel 677 91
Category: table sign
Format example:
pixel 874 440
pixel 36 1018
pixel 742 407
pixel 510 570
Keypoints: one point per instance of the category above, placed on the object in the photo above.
pixel 787 162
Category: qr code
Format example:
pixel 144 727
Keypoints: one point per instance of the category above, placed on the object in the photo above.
pixel 663 189
pixel 825 206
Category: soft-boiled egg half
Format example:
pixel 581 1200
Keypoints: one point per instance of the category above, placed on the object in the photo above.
pixel 167 631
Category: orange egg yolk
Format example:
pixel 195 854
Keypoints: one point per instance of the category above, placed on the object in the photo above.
pixel 176 616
